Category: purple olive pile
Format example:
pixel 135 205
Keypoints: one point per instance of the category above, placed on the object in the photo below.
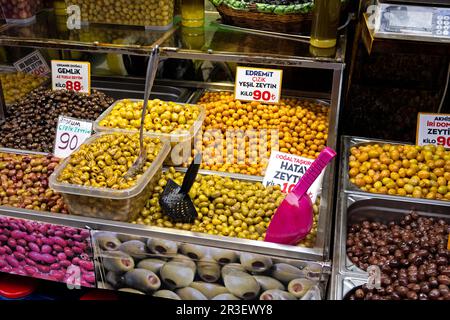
pixel 45 251
pixel 24 182
pixel 412 256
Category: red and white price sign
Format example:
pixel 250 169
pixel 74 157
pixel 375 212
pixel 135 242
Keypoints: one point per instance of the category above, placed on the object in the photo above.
pixel 433 128
pixel 254 84
pixel 71 76
pixel 285 170
pixel 33 63
pixel 70 134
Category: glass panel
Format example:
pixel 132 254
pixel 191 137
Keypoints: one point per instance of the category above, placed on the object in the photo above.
pixel 49 26
pixel 226 39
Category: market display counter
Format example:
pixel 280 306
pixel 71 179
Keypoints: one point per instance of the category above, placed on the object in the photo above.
pixel 405 237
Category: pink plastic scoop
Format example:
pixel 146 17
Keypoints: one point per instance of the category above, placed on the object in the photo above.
pixel 294 217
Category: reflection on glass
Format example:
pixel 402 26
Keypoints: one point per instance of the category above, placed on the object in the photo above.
pixel 325 23
pixel 193 38
pixel 192 13
pixel 322 52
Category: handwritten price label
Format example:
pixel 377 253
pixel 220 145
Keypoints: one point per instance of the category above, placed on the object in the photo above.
pixel 71 76
pixel 433 128
pixel 70 134
pixel 286 170
pixel 253 84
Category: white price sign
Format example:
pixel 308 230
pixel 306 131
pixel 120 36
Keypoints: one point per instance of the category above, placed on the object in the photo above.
pixel 70 134
pixel 33 63
pixel 71 76
pixel 285 170
pixel 254 84
pixel 433 128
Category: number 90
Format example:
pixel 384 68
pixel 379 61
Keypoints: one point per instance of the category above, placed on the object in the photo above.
pixel 68 142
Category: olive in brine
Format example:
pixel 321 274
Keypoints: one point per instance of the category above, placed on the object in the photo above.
pixel 241 284
pixel 225 296
pixel 107 241
pixel 276 294
pixel 142 280
pixel 193 251
pixel 255 262
pixel 163 247
pixel 186 261
pixel 134 248
pixel 268 283
pixel 114 278
pixel 166 294
pixel 117 261
pixel 208 270
pixel 177 274
pixel 285 272
pixel 232 267
pixel 298 287
pixel 223 256
pixel 189 293
pixel 153 265
pixel 210 290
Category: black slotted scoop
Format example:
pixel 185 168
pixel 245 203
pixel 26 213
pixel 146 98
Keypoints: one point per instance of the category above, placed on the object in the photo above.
pixel 175 201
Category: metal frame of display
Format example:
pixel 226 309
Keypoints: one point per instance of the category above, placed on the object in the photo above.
pixel 336 65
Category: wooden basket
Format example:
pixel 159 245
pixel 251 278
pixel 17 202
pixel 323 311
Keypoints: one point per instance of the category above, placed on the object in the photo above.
pixel 286 23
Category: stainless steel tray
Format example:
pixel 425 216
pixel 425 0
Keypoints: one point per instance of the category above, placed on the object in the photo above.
pixel 127 90
pixel 341 284
pixel 250 178
pixel 356 208
pixel 348 142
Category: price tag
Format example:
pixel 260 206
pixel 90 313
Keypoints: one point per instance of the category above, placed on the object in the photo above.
pixel 285 170
pixel 253 84
pixel 71 76
pixel 433 128
pixel 33 63
pixel 70 134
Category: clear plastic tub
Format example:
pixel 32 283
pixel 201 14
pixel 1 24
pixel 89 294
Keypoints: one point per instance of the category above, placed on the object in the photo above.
pixel 19 11
pixel 181 143
pixel 118 205
pixel 152 14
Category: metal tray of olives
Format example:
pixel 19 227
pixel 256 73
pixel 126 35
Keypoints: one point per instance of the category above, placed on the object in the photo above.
pixel 172 137
pixel 356 208
pixel 342 284
pixel 151 264
pixel 347 142
pixel 249 178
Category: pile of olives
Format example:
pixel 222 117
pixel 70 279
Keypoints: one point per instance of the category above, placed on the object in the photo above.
pixel 162 117
pixel 293 126
pixel 136 12
pixel 31 123
pixel 225 207
pixel 24 182
pixel 17 85
pixel 404 170
pixel 183 271
pixel 104 162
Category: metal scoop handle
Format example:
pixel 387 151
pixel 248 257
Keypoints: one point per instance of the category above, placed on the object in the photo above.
pixel 313 171
pixel 152 67
pixel 191 174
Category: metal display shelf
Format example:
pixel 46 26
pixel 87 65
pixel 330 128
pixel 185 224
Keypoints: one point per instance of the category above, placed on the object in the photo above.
pixel 345 275
pixel 218 43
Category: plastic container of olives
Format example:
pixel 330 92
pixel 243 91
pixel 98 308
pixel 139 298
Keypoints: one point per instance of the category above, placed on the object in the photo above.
pixel 151 14
pixel 185 139
pixel 107 203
